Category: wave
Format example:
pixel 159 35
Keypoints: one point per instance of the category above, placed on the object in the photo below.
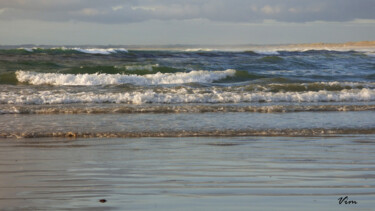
pixel 271 59
pixel 185 95
pixel 219 51
pixel 167 108
pixel 199 76
pixel 200 50
pixel 26 49
pixel 280 50
pixel 119 69
pixel 8 78
pixel 104 51
pixel 292 51
pixel 267 52
pixel 315 86
pixel 185 133
pixel 149 67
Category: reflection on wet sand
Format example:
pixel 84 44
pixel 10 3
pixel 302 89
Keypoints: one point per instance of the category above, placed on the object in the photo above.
pixel 224 173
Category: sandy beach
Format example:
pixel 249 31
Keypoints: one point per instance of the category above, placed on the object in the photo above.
pixel 244 173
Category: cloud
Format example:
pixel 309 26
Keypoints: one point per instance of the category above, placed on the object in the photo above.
pixel 120 11
pixel 270 10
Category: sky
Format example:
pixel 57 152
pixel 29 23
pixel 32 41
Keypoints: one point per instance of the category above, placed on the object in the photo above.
pixel 163 22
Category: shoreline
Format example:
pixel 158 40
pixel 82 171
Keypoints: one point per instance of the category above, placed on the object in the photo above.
pixel 291 46
pixel 314 132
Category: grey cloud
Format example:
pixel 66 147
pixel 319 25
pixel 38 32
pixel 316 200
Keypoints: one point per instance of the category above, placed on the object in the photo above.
pixel 127 11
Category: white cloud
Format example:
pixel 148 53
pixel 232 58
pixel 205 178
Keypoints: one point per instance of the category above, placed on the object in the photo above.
pixel 90 11
pixel 143 8
pixel 2 10
pixel 115 8
pixel 271 10
pixel 293 10
pixel 363 21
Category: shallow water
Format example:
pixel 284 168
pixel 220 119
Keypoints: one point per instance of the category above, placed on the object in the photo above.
pixel 243 173
pixel 186 129
pixel 188 124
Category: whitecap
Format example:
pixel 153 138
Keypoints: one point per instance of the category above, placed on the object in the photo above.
pixel 104 51
pixel 267 52
pixel 148 67
pixel 198 76
pixel 200 49
pixel 185 95
pixel 26 49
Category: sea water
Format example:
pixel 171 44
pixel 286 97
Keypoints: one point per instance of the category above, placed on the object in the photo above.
pixel 235 87
pixel 282 122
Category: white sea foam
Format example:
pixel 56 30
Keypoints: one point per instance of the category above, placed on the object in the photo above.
pixel 267 52
pixel 138 67
pixel 200 76
pixel 26 49
pixel 184 95
pixel 200 49
pixel 343 84
pixel 275 51
pixel 105 51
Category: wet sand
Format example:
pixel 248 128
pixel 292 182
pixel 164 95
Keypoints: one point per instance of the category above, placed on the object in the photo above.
pixel 227 173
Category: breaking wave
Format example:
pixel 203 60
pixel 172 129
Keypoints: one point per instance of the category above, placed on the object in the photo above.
pixel 200 50
pixel 85 108
pixel 104 51
pixel 267 52
pixel 115 79
pixel 185 95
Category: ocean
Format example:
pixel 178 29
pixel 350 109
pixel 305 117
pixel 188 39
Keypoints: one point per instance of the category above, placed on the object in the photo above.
pixel 180 127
